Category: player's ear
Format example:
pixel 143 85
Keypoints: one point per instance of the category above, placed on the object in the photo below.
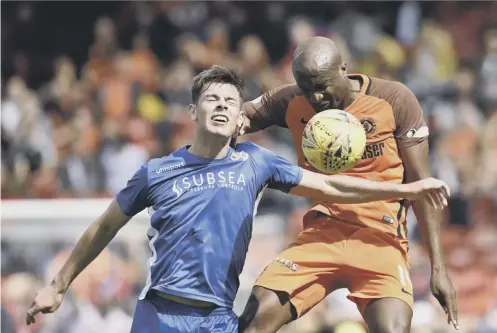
pixel 241 119
pixel 192 109
pixel 343 68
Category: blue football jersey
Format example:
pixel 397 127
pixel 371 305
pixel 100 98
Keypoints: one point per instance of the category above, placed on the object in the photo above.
pixel 201 216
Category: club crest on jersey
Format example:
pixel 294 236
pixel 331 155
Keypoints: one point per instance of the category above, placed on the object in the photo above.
pixel 369 126
pixel 237 156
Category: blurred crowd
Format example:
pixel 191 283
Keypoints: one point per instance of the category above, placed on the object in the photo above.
pixel 79 125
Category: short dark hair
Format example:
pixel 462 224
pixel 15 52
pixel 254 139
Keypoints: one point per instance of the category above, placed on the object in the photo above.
pixel 215 74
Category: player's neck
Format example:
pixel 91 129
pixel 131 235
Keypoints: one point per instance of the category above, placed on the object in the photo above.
pixel 354 92
pixel 209 147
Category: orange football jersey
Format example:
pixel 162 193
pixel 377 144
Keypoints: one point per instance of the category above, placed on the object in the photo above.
pixel 391 117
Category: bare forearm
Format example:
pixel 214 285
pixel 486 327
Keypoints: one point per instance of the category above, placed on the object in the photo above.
pixel 349 190
pixel 429 220
pixel 89 246
pixel 344 189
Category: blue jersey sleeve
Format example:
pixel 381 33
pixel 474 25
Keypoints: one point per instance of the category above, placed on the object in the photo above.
pixel 283 174
pixel 133 198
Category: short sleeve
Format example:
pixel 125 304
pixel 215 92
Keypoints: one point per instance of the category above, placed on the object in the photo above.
pixel 283 175
pixel 411 128
pixel 133 198
pixel 270 108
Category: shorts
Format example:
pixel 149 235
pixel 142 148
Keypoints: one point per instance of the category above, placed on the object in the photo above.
pixel 158 315
pixel 331 254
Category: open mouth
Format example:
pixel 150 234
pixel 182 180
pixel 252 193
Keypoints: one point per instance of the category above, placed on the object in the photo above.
pixel 220 118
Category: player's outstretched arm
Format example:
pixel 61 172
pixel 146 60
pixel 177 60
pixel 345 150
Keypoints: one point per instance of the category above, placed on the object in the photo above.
pixel 129 201
pixel 345 189
pixel 415 159
pixel 90 245
pixel 412 134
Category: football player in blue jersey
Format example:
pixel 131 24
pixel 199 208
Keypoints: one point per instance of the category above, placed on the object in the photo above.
pixel 202 200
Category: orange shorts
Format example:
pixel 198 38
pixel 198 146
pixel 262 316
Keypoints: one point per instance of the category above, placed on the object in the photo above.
pixel 330 254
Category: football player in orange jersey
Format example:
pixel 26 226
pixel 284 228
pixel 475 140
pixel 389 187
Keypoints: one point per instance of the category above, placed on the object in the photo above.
pixel 362 247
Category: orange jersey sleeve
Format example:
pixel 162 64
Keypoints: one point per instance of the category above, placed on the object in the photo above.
pixel 270 108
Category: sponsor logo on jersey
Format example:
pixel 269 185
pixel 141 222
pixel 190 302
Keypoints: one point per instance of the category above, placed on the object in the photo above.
pixel 169 168
pixel 239 156
pixel 420 133
pixel 369 126
pixel 373 150
pixel 203 181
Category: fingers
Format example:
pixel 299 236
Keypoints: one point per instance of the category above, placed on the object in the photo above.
pixel 431 199
pixel 33 310
pixel 30 315
pixel 436 195
pixel 47 300
pixel 435 200
pixel 433 183
pixel 452 311
pixel 449 304
pixel 436 192
pixel 441 200
pixel 442 188
pixel 446 190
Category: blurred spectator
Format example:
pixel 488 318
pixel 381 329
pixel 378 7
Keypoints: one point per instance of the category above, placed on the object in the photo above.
pixel 63 82
pixel 488 71
pixel 361 32
pixel 176 83
pixel 19 289
pixel 408 21
pixel 7 326
pixel 144 64
pixel 122 157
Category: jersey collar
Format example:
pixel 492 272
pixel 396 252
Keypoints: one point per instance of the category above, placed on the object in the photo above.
pixel 189 157
pixel 365 82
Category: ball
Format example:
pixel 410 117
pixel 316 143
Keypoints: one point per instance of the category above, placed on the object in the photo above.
pixel 333 141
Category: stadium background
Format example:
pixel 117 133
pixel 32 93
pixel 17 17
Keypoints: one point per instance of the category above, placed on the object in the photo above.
pixel 91 90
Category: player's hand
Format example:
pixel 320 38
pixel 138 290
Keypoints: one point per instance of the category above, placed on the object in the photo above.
pixel 47 300
pixel 435 191
pixel 443 290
